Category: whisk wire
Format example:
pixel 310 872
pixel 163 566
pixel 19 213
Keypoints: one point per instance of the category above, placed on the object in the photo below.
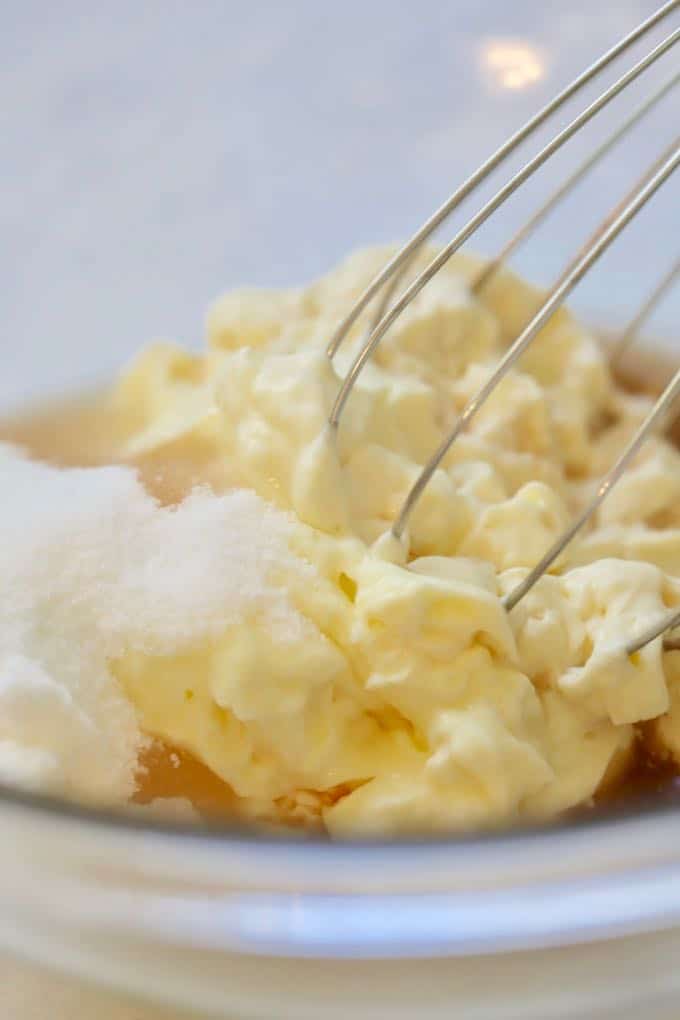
pixel 662 626
pixel 632 330
pixel 663 404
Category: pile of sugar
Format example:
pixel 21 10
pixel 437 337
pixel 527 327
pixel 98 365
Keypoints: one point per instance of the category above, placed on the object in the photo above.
pixel 91 567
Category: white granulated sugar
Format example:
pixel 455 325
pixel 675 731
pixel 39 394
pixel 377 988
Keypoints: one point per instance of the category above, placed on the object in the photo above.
pixel 91 567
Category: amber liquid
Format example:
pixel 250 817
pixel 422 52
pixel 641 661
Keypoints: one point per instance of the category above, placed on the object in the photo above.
pixel 171 772
pixel 87 432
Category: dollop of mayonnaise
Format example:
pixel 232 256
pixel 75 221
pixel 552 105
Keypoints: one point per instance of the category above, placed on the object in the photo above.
pixel 395 693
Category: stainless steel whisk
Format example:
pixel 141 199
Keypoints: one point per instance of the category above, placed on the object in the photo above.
pixel 385 285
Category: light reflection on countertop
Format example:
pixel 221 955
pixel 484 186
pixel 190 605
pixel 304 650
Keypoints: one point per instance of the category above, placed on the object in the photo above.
pixel 512 63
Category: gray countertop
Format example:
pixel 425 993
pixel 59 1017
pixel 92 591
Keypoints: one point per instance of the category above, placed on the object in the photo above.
pixel 30 992
pixel 155 154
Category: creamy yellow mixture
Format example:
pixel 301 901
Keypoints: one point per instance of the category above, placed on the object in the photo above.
pixel 328 671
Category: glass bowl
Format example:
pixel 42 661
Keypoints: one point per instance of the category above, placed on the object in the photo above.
pixel 157 155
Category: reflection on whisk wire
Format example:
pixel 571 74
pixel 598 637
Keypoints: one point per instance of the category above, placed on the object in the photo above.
pixel 386 283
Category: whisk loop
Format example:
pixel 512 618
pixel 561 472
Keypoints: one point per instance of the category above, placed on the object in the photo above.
pixel 528 228
pixel 481 217
pixel 483 171
pixel 386 282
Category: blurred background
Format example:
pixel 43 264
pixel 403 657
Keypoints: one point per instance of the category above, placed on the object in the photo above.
pixel 156 153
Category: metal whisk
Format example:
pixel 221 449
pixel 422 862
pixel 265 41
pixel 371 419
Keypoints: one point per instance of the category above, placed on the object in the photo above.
pixel 385 285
